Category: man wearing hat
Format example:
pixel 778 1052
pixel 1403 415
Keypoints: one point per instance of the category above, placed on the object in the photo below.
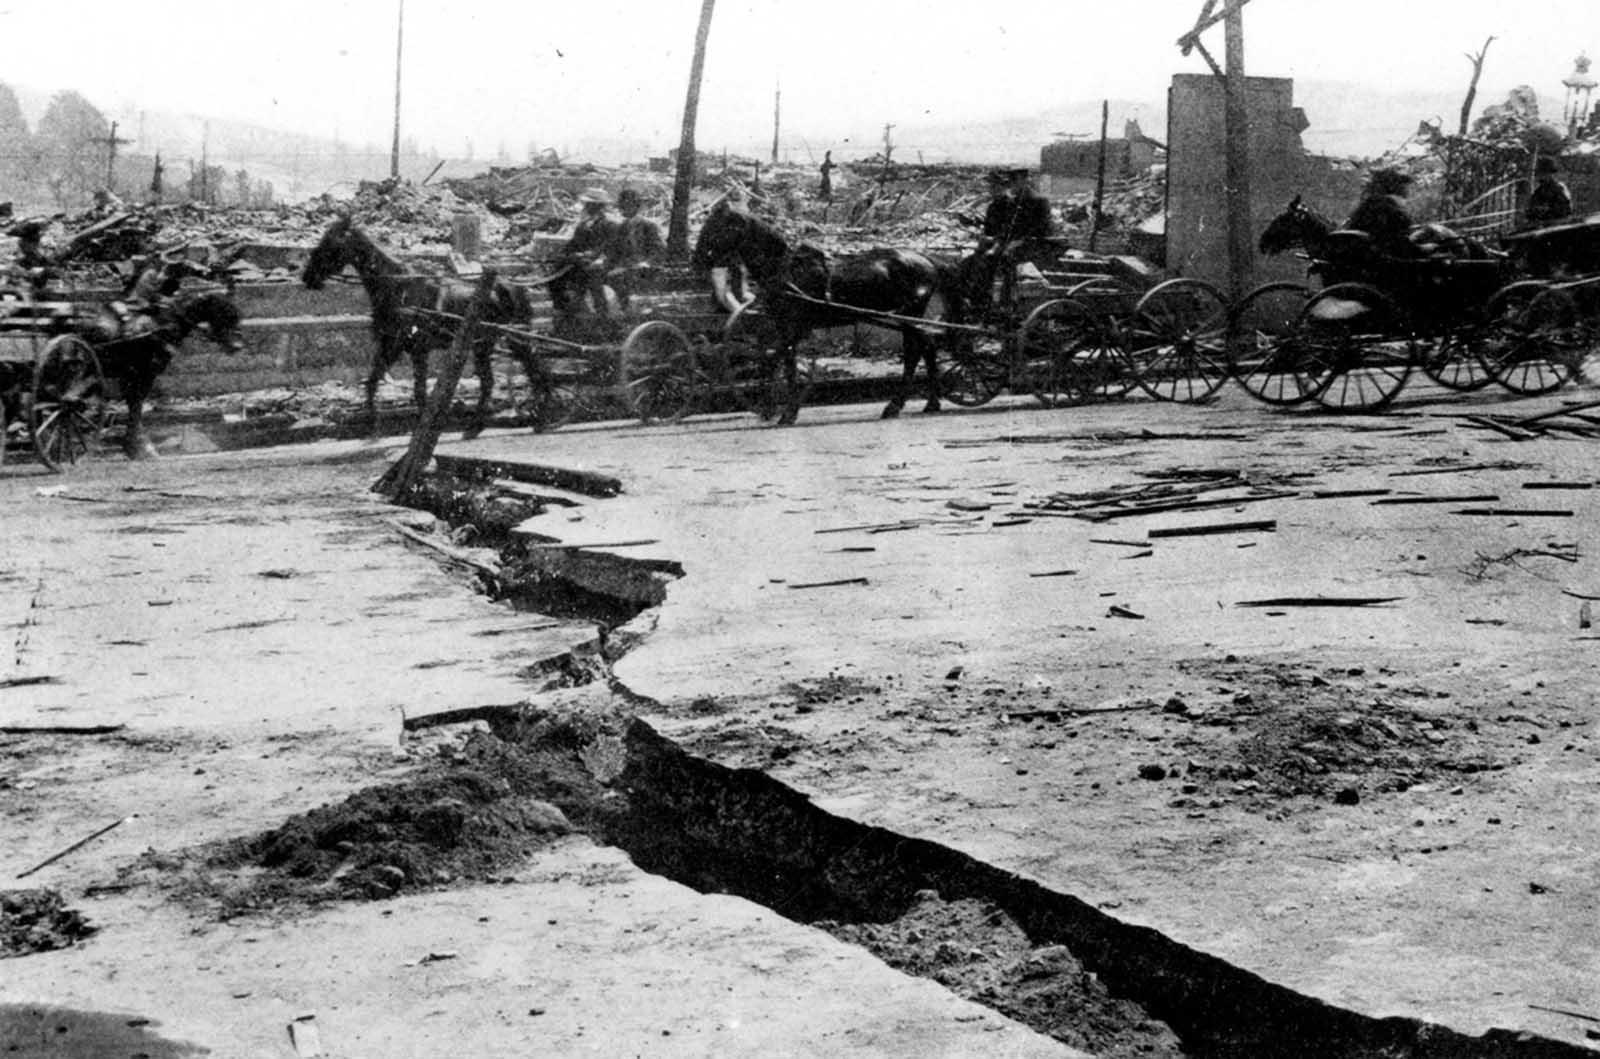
pixel 583 261
pixel 1015 227
pixel 638 246
pixel 1382 214
pixel 1550 201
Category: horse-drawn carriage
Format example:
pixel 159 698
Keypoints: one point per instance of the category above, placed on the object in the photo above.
pixel 1463 313
pixel 65 360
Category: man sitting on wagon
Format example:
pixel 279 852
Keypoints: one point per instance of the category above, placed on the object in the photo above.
pixel 1383 216
pixel 1016 226
pixel 635 250
pixel 720 260
pixel 1550 201
pixel 583 262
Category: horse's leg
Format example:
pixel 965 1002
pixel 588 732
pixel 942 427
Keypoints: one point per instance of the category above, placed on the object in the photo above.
pixel 136 385
pixel 908 367
pixel 483 361
pixel 930 360
pixel 791 379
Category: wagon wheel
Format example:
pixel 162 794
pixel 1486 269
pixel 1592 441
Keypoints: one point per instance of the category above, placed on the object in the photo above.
pixel 1356 348
pixel 1068 357
pixel 1102 370
pixel 1177 340
pixel 70 414
pixel 750 372
pixel 1536 340
pixel 1262 351
pixel 656 372
pixel 975 376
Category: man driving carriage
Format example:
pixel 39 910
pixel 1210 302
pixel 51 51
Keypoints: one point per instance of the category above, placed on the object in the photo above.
pixel 1016 227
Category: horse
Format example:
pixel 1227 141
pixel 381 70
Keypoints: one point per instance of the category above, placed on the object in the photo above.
pixel 135 349
pixel 802 289
pixel 393 289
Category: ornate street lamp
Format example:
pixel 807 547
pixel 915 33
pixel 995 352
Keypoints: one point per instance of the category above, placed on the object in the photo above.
pixel 1580 84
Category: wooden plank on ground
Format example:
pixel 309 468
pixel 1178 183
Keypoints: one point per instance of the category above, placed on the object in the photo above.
pixel 1260 526
pixel 589 483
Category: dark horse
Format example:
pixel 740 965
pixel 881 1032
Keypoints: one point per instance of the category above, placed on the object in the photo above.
pixel 135 349
pixel 393 289
pixel 802 289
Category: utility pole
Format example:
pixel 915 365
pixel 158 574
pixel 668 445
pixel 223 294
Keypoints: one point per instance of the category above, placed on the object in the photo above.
pixel 1241 245
pixel 399 50
pixel 678 225
pixel 888 149
pixel 111 142
pixel 205 165
pixel 777 105
pixel 1236 133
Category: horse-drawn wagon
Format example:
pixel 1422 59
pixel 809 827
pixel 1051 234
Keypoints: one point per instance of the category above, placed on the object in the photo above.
pixel 64 361
pixel 1463 313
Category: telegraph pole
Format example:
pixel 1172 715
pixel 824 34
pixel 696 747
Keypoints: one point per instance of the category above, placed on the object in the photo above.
pixel 399 50
pixel 111 142
pixel 1241 246
pixel 777 105
pixel 678 224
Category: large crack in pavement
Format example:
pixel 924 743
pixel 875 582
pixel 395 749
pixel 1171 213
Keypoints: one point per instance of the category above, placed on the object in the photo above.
pixel 587 763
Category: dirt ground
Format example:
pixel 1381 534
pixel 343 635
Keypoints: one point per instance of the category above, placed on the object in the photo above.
pixel 1389 807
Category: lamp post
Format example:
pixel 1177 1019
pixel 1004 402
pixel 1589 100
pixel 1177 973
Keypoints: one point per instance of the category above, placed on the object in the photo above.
pixel 1580 85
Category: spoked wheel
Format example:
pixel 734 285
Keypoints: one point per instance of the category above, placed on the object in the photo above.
pixel 1070 355
pixel 1452 360
pixel 1536 338
pixel 70 415
pixel 751 373
pixel 977 372
pixel 1357 348
pixel 1177 340
pixel 657 372
pixel 1264 355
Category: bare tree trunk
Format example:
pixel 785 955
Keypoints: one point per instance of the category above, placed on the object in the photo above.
pixel 1472 87
pixel 678 225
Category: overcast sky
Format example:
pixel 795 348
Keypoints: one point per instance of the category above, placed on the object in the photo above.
pixel 514 73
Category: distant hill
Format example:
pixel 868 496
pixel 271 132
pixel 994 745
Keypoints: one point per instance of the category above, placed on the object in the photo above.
pixel 1347 120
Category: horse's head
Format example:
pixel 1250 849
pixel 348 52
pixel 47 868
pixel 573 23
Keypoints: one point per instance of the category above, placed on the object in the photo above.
pixel 1297 226
pixel 336 249
pixel 214 313
pixel 806 270
pixel 735 234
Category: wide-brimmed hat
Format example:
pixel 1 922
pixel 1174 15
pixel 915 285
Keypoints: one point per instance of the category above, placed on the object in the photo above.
pixel 599 195
pixel 1389 179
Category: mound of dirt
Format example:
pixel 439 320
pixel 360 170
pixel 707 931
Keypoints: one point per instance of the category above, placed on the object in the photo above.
pixel 38 921
pixel 473 815
pixel 975 950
